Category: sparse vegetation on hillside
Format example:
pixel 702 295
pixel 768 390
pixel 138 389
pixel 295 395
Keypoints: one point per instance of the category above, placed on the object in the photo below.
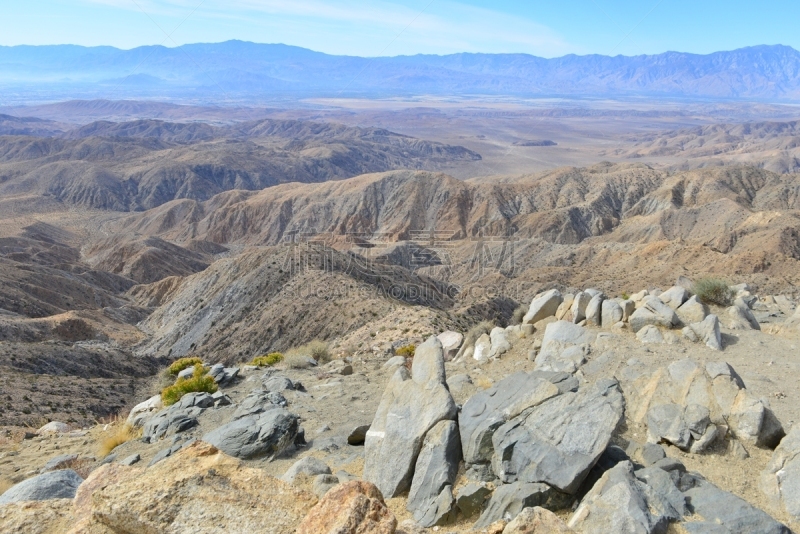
pixel 199 382
pixel 484 327
pixel 299 357
pixel 406 350
pixel 116 435
pixel 318 350
pixel 713 291
pixel 268 360
pixel 518 315
pixel 183 363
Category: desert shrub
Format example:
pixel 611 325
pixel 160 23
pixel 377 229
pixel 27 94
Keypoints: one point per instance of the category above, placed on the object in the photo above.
pixel 518 315
pixel 477 331
pixel 318 350
pixel 199 382
pixel 116 435
pixel 179 365
pixel 406 350
pixel 713 291
pixel 626 295
pixel 268 360
pixel 297 360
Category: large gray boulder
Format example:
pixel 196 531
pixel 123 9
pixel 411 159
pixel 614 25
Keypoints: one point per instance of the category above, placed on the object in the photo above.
pixel 411 405
pixel 674 297
pixel 51 485
pixel 258 401
pixel 594 310
pixel 715 386
pixel 544 306
pixel 692 311
pixel 431 497
pixel 499 339
pixel 256 436
pixel 706 331
pixel 579 304
pixel 740 317
pixel 611 314
pixel 622 504
pixel 509 500
pixel 689 428
pixel 717 508
pixel 308 467
pixel 167 422
pixel 487 410
pixel 558 441
pixel 780 481
pixel 564 347
pixel 655 313
pixel 451 342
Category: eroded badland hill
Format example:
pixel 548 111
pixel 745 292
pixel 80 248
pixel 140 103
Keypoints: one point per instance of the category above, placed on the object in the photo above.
pixel 609 347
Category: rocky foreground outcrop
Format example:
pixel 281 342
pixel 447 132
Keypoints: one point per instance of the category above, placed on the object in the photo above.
pixel 198 489
pixel 607 442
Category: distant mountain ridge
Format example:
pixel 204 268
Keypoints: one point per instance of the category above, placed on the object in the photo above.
pixel 237 68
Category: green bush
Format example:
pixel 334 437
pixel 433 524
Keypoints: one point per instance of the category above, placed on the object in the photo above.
pixel 267 361
pixel 714 291
pixel 199 382
pixel 407 351
pixel 179 365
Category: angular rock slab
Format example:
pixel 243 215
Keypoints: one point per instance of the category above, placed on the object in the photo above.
pixel 410 406
pixel 537 520
pixel 579 304
pixel 563 347
pixel 487 410
pixel 719 508
pixel 267 434
pixel 780 481
pixel 620 503
pixel 198 489
pixel 308 466
pixel 594 310
pixel 543 307
pixel 354 507
pixel 51 485
pixel 451 342
pixel 431 495
pixel 655 313
pixel 558 441
pixel 715 386
pixel 509 500
pixel 692 311
pixel 706 331
pixel 611 313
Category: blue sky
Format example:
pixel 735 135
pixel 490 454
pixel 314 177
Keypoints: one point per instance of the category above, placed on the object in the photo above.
pixel 385 27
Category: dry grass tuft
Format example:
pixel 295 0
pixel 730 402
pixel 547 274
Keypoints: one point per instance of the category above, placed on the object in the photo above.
pixel 119 433
pixel 199 382
pixel 477 331
pixel 483 382
pixel 297 360
pixel 518 315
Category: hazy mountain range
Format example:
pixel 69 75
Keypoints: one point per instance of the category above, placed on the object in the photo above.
pixel 239 69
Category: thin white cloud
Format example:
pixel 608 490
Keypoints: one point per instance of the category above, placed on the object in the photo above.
pixel 373 27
